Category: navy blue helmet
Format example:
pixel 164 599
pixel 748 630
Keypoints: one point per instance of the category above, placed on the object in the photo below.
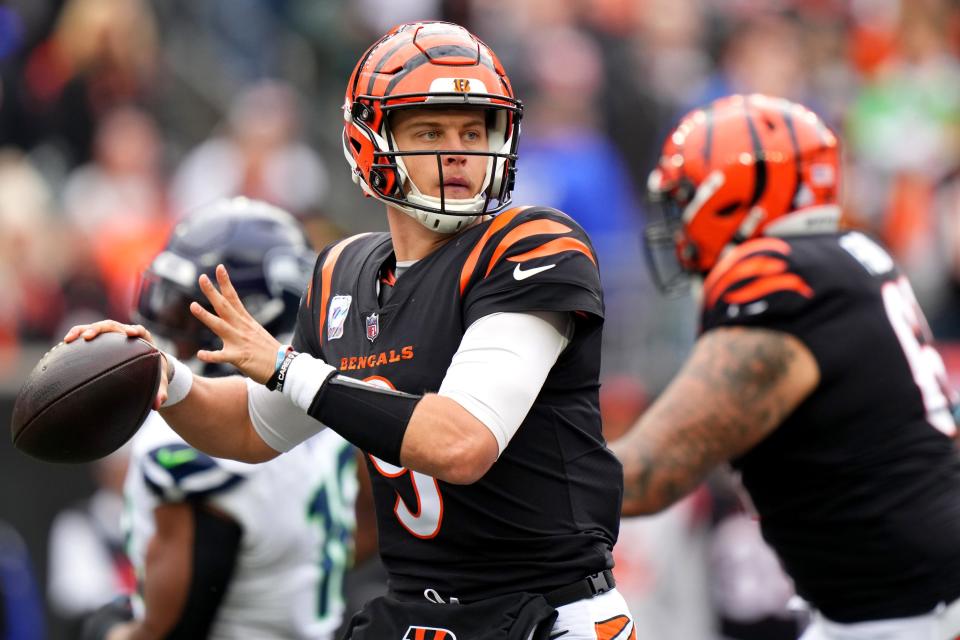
pixel 265 251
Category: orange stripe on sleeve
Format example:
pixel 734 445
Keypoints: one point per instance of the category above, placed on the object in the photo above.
pixel 738 253
pixel 326 276
pixel 767 285
pixel 525 230
pixel 754 266
pixel 554 247
pixel 498 223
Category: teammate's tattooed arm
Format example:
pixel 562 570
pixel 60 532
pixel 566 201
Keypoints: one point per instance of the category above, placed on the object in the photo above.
pixel 737 386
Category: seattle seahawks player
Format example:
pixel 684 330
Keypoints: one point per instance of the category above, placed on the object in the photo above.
pixel 224 549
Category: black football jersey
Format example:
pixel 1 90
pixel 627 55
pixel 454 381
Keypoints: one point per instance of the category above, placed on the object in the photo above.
pixel 547 512
pixel 858 491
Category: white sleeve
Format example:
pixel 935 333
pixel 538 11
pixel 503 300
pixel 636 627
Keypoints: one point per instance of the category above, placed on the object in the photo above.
pixel 501 365
pixel 277 420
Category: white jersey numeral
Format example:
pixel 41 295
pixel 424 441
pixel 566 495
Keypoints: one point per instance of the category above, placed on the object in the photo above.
pixel 425 521
pixel 927 366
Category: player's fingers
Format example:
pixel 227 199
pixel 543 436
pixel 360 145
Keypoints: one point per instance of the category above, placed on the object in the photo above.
pixel 214 357
pixel 138 331
pixel 91 331
pixel 227 289
pixel 77 330
pixel 219 303
pixel 218 325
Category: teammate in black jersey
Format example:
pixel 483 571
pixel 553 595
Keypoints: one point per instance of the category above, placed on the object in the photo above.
pixel 479 341
pixel 814 375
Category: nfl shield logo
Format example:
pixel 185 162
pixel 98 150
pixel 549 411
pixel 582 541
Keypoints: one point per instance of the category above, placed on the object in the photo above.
pixel 373 326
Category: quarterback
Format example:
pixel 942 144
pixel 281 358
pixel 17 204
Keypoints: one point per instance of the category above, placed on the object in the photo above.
pixel 460 351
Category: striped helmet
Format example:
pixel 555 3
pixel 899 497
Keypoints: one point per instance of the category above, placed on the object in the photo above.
pixel 741 167
pixel 429 64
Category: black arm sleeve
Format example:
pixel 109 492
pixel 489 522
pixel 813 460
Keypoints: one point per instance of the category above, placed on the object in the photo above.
pixel 216 543
pixel 371 418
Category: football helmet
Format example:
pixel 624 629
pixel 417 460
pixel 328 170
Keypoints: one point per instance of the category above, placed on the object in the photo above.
pixel 429 64
pixel 741 167
pixel 263 248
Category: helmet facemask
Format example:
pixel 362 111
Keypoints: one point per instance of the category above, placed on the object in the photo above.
pixel 390 180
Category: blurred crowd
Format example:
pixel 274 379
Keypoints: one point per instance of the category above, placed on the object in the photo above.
pixel 118 116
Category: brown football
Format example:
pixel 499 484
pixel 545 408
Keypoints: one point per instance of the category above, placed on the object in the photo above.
pixel 85 399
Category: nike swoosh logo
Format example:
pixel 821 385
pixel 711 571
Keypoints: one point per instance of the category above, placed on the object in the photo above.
pixel 174 458
pixel 523 274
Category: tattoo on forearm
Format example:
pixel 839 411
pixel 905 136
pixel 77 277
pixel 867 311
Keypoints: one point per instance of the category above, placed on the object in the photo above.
pixel 728 396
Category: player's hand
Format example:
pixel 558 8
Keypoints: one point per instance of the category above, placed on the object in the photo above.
pixel 90 331
pixel 246 344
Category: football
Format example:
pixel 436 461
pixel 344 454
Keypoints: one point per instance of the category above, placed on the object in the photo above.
pixel 85 399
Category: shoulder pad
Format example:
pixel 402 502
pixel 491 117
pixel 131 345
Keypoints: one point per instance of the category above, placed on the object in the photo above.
pixel 521 234
pixel 178 472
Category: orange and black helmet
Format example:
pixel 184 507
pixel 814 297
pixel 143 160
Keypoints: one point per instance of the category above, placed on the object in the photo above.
pixel 741 167
pixel 424 64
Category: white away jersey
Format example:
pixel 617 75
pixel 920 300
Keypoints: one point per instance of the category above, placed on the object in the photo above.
pixel 297 516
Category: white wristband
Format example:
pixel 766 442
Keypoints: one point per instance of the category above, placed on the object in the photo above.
pixel 304 378
pixel 180 385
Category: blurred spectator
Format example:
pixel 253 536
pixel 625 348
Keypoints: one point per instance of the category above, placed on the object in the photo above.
pixel 21 610
pixel 904 130
pixel 100 54
pixel 31 262
pixel 117 202
pixel 259 154
pixel 87 564
pixel 761 55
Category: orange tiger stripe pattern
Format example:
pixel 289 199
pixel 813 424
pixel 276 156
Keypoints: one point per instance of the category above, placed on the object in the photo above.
pixel 525 230
pixel 498 223
pixel 767 274
pixel 326 277
pixel 773 245
pixel 614 628
pixel 770 284
pixel 750 267
pixel 554 247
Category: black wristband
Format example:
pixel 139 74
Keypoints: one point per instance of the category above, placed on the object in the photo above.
pixel 275 383
pixel 372 418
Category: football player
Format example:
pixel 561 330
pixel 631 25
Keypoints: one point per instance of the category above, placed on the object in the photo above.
pixel 813 374
pixel 224 549
pixel 479 340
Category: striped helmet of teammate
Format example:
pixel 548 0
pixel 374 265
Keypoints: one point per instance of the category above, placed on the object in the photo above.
pixel 741 167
